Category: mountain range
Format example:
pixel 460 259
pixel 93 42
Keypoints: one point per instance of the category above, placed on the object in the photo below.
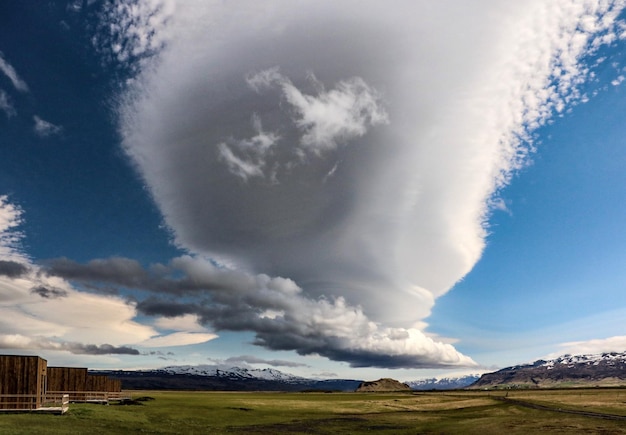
pixel 448 383
pixel 606 369
pixel 216 377
pixel 210 377
pixel 601 370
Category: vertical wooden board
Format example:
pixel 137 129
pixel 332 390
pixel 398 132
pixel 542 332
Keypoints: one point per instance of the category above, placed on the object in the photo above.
pixel 114 385
pixel 41 379
pixel 78 379
pixel 55 378
pixel 22 374
pixel 67 378
pixel 97 382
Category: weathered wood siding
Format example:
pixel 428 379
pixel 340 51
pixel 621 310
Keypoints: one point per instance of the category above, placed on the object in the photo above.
pixel 25 376
pixel 114 385
pixel 67 378
pixel 79 384
pixel 97 383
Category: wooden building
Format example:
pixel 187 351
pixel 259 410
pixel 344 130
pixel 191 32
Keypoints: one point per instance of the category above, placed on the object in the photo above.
pixel 28 384
pixel 22 382
pixel 96 383
pixel 80 385
pixel 67 378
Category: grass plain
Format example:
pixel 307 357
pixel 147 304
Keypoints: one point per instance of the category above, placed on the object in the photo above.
pixel 210 412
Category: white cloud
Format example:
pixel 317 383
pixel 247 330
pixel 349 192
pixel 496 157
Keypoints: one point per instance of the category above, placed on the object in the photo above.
pixel 43 312
pixel 44 128
pixel 5 104
pixel 188 323
pixel 244 360
pixel 179 339
pixel 405 215
pixel 10 237
pixel 187 329
pixel 591 347
pixel 253 151
pixel 340 114
pixel 10 72
pixel 618 80
pixel 131 32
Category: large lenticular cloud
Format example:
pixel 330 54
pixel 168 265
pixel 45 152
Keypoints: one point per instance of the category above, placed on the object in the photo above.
pixel 353 148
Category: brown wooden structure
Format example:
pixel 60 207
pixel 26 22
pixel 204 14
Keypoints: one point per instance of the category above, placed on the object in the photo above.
pixel 81 386
pixel 67 378
pixel 22 382
pixel 28 384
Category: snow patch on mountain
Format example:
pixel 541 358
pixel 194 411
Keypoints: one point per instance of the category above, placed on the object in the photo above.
pixel 444 383
pixel 232 372
pixel 609 358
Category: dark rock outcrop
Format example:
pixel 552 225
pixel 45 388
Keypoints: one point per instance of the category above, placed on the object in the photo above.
pixel 382 385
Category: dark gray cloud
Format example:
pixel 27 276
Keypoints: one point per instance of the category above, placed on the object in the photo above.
pixel 112 274
pixel 118 271
pixel 48 292
pixel 153 306
pixel 103 349
pixel 281 315
pixel 13 341
pixel 13 269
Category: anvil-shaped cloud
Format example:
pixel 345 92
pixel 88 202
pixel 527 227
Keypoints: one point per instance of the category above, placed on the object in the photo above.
pixel 343 156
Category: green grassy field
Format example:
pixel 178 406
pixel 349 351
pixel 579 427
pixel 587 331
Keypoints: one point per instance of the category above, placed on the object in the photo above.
pixel 330 413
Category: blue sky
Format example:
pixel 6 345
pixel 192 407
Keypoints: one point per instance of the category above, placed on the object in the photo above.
pixel 312 188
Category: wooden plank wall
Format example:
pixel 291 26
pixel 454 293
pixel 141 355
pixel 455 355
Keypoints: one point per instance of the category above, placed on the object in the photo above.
pixel 77 379
pixel 30 377
pixel 22 375
pixel 96 383
pixel 67 378
pixel 114 385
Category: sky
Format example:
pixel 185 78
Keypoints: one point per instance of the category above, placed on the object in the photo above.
pixel 354 189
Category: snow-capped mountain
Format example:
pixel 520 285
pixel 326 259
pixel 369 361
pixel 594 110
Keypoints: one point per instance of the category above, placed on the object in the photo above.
pixel 219 377
pixel 609 359
pixel 447 383
pixel 605 369
pixel 267 374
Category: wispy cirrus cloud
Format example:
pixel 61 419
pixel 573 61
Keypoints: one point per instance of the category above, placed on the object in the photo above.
pixel 129 34
pixel 44 128
pixel 247 157
pixel 5 104
pixel 12 75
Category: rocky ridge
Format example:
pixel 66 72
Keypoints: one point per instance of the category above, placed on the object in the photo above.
pixel 382 385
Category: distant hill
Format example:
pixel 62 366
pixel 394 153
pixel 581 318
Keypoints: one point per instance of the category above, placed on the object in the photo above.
pixel 382 385
pixel 207 377
pixel 606 369
pixel 450 383
pixel 222 378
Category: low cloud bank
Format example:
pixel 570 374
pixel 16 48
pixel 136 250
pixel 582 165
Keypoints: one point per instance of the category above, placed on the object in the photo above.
pixel 276 309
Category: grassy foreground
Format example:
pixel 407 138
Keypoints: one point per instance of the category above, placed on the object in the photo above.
pixel 331 413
